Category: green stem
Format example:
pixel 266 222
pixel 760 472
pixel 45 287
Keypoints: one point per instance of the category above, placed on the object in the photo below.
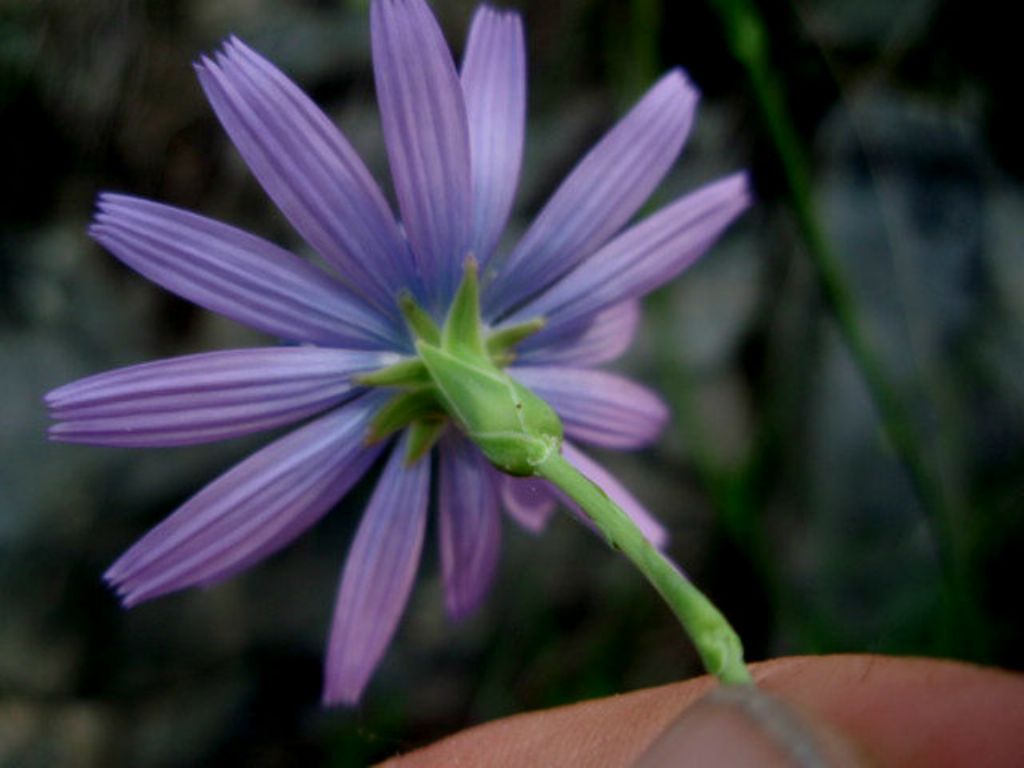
pixel 747 37
pixel 717 643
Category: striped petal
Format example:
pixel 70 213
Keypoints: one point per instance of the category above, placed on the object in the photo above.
pixel 310 171
pixel 641 259
pixel 236 274
pixel 528 500
pixel 598 407
pixel 212 396
pixel 378 576
pixel 423 115
pixel 494 84
pixel 601 194
pixel 645 521
pixel 606 336
pixel 254 509
pixel 469 526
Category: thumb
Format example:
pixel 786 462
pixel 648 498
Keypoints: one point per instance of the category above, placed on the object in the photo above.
pixel 739 726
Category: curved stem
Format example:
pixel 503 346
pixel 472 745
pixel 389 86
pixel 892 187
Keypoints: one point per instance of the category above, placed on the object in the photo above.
pixel 716 641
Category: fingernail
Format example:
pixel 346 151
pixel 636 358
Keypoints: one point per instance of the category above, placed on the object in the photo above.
pixel 739 726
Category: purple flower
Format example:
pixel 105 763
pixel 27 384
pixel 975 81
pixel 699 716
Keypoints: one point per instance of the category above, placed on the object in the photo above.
pixel 454 142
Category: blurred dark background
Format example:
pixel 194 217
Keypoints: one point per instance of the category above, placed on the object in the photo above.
pixel 788 501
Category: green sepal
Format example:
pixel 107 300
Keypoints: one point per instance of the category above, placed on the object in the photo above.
pixel 420 323
pixel 502 341
pixel 513 427
pixel 423 434
pixel 462 334
pixel 407 373
pixel 402 410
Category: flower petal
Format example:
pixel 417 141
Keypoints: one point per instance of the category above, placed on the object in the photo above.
pixel 641 259
pixel 253 509
pixel 236 274
pixel 469 527
pixel 605 337
pixel 598 407
pixel 528 500
pixel 494 84
pixel 309 170
pixel 212 396
pixel 645 521
pixel 378 576
pixel 601 194
pixel 424 119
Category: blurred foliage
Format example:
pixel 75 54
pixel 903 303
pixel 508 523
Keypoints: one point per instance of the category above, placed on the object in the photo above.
pixel 787 503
